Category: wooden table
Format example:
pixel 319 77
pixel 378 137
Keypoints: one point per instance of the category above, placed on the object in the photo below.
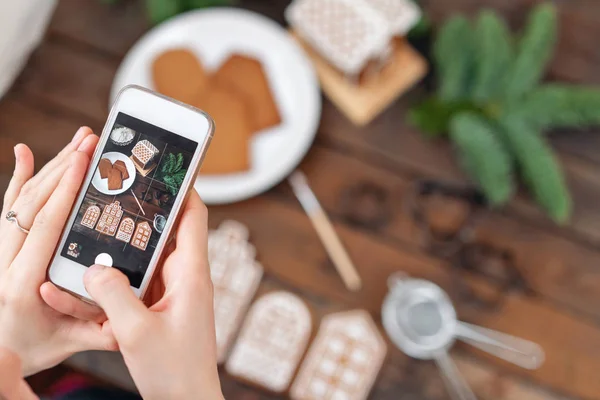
pixel 66 84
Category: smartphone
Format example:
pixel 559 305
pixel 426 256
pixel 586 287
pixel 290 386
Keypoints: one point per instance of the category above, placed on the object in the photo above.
pixel 146 162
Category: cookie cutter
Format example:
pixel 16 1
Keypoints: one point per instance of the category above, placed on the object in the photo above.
pixel 461 249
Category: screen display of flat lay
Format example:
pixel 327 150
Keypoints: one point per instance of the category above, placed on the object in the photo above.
pixel 130 197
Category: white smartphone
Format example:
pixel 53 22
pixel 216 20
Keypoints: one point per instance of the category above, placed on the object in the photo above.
pixel 146 161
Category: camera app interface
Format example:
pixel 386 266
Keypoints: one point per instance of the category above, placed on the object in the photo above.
pixel 129 200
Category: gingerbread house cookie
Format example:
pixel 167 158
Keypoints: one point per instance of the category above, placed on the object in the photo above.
pixel 271 341
pixel 343 361
pixel 225 241
pixel 142 234
pixel 348 33
pixel 143 153
pixel 90 217
pixel 235 276
pixel 125 230
pixel 109 220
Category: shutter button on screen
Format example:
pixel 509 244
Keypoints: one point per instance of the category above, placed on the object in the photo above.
pixel 104 259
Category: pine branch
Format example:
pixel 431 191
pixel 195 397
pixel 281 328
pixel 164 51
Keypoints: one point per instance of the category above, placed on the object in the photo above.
pixel 484 156
pixel 452 54
pixel 179 177
pixel 179 162
pixel 493 56
pixel 433 116
pixel 535 50
pixel 170 184
pixel 559 106
pixel 168 164
pixel 539 168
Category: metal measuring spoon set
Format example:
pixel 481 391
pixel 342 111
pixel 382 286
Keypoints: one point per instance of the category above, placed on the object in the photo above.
pixel 420 319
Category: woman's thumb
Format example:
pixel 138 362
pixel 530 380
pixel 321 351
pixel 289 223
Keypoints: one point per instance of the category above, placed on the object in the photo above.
pixel 110 289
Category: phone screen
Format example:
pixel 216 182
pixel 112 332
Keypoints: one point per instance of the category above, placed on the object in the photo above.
pixel 130 197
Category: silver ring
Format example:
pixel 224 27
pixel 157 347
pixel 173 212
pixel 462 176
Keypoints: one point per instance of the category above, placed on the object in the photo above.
pixel 12 217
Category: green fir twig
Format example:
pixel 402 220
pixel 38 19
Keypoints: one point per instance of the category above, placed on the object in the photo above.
pixel 491 104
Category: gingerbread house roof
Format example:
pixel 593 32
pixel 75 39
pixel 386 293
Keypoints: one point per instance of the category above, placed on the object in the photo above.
pixel 144 151
pixel 144 225
pixel 402 15
pixel 347 33
pixel 272 341
pixel 360 318
pixel 343 360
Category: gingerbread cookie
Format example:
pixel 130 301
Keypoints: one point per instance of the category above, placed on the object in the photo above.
pixel 125 230
pixel 142 234
pixel 120 166
pixel 227 238
pixel 343 360
pixel 235 276
pixel 115 180
pixel 271 341
pixel 104 166
pixel 109 220
pixel 178 74
pixel 90 217
pixel 229 150
pixel 247 76
pixel 347 33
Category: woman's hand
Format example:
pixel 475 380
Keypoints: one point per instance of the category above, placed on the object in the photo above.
pixel 39 335
pixel 170 347
pixel 12 384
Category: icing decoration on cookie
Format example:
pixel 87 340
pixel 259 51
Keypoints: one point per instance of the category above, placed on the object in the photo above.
pixel 271 341
pixel 144 152
pixel 348 33
pixel 91 216
pixel 109 220
pixel 343 361
pixel 235 276
pixel 141 236
pixel 125 230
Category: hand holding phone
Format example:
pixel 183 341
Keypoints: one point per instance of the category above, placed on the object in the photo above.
pixel 147 159
pixel 170 348
pixel 44 337
pixel 175 336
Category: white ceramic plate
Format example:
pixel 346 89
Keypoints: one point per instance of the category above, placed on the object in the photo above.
pixel 101 185
pixel 213 35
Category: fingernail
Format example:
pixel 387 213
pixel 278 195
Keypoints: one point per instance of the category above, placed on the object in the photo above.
pixel 78 134
pixel 94 270
pixel 16 153
pixel 86 144
pixel 82 145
